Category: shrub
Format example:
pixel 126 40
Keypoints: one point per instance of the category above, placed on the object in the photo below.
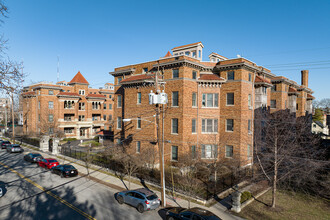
pixel 69 139
pixel 245 196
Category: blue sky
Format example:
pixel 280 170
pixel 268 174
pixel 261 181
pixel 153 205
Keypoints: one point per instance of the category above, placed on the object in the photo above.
pixel 97 36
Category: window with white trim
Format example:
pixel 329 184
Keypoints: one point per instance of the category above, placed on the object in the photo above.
pixel 229 124
pixel 250 101
pixel 249 126
pixel 229 151
pixel 50 92
pixel 230 75
pixel 210 100
pixel 50 105
pixel 209 151
pixel 194 99
pixel 118 122
pixel 139 98
pixel 175 99
pixel 272 103
pixel 81 118
pixel 230 99
pixel 50 118
pixel 175 73
pixel 174 155
pixel 193 126
pixel 175 126
pixel 138 123
pixel 119 100
pixel 138 147
pixel 81 92
pixel 209 125
pixel 81 106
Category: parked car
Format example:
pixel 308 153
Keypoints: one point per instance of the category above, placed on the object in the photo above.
pixel 14 148
pixel 48 163
pixel 33 157
pixel 4 144
pixel 65 170
pixel 1 192
pixel 142 199
pixel 193 214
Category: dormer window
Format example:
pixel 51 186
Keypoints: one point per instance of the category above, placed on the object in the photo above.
pixel 187 53
pixel 194 54
pixel 119 79
pixel 145 70
pixel 81 92
pixel 199 53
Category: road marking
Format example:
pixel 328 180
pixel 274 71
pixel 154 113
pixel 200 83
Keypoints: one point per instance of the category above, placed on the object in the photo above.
pixel 49 193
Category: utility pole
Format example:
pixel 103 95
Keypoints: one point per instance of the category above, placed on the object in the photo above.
pixel 12 115
pixel 160 149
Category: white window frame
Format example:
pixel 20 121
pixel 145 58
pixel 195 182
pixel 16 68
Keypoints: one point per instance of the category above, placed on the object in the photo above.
pixel 119 97
pixel 194 99
pixel 177 125
pixel 119 123
pixel 81 92
pixel 215 100
pixel 193 126
pixel 50 105
pixel 52 118
pixel 173 73
pixel 175 92
pixel 227 124
pixel 139 98
pixel 228 99
pixel 215 125
pixel 138 123
pixel 81 106
pixel 50 92
pixel 213 154
pixel 233 75
pixel 249 126
pixel 271 106
pixel 177 153
pixel 249 101
pixel 231 148
pixel 138 147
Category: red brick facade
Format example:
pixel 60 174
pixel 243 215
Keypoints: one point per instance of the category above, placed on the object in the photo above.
pixel 71 108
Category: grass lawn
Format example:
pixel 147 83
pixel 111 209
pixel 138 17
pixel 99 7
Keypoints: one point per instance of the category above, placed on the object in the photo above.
pixel 289 206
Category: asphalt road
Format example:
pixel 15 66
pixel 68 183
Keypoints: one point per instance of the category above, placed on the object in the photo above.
pixel 35 193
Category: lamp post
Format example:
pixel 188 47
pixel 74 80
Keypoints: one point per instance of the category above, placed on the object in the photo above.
pixel 5 107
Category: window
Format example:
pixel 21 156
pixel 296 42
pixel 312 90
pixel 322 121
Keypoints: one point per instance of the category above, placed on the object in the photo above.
pixel 139 98
pixel 264 90
pixel 39 105
pixel 193 126
pixel 138 124
pixel 250 77
pixel 110 96
pixel 68 104
pixel 175 73
pixel 199 53
pixel 39 117
pixel 110 106
pixel 297 106
pixel 210 100
pixel 250 101
pixel 187 53
pixel 193 152
pixel 68 117
pixel 248 151
pixel 194 74
pixel 229 151
pixel 194 99
pixel 209 125
pixel 194 54
pixel 104 117
pixel 50 105
pixel 50 118
pixel 110 117
pixel 118 122
pixel 119 79
pixel 230 99
pixel 285 103
pixel 95 105
pixel 82 106
pixel 230 125
pixel 81 92
pixel 174 153
pixel 230 75
pixel 175 98
pixel 119 101
pixel 50 92
pixel 104 106
pixel 249 126
pixel 272 103
pixel 138 147
pixel 209 151
pixel 274 88
pixel 68 130
pixel 174 126
pixel 81 117
pixel 51 130
pixel 144 70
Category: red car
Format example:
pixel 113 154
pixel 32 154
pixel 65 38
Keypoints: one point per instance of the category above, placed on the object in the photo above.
pixel 48 163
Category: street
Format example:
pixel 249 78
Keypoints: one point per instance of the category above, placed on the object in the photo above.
pixel 32 192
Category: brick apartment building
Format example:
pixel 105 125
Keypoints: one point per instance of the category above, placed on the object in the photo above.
pixel 210 107
pixel 72 108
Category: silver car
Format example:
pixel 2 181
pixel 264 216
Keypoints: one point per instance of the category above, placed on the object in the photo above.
pixel 142 199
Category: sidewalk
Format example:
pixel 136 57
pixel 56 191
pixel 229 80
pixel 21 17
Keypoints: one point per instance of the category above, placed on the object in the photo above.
pixel 100 175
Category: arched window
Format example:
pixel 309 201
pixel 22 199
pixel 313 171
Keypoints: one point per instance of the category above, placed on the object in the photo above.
pixel 65 104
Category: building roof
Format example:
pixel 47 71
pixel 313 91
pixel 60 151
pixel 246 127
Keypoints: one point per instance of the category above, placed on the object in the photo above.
pixel 168 54
pixel 291 89
pixel 209 63
pixel 104 133
pixel 95 96
pixel 319 123
pixel 187 45
pixel 68 94
pixel 218 55
pixel 28 93
pixel 210 77
pixel 260 79
pixel 79 78
pixel 309 96
pixel 137 78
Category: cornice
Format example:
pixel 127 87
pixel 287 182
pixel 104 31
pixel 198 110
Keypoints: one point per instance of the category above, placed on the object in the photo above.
pixel 123 72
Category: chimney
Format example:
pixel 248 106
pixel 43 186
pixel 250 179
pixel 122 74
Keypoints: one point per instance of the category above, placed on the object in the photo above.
pixel 304 78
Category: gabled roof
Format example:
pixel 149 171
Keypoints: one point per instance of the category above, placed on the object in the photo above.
pixel 261 79
pixel 210 77
pixel 291 89
pixel 168 54
pixel 319 123
pixel 309 96
pixel 187 45
pixel 209 64
pixel 137 78
pixel 79 78
pixel 95 96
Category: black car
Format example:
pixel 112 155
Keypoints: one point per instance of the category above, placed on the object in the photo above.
pixel 14 148
pixel 65 170
pixel 4 144
pixel 33 157
pixel 192 214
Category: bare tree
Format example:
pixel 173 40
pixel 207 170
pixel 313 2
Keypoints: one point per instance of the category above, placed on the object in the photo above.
pixel 284 147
